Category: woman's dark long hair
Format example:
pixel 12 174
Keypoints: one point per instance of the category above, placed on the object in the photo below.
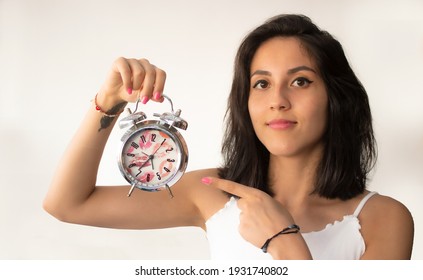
pixel 349 144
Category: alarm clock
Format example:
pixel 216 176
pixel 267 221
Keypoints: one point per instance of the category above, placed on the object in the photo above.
pixel 153 155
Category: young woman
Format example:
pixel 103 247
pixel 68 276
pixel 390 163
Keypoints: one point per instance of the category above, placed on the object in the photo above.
pixel 297 151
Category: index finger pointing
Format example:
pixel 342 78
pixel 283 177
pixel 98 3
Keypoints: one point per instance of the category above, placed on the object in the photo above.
pixel 228 186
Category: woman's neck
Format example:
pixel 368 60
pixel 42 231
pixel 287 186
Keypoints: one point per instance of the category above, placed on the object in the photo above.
pixel 292 179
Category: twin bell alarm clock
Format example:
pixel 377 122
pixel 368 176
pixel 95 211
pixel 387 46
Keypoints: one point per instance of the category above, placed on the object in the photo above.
pixel 153 155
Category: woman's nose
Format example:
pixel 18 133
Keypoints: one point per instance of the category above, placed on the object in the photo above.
pixel 279 100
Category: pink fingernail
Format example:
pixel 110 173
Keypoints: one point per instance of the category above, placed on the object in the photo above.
pixel 129 90
pixel 206 180
pixel 157 96
pixel 144 99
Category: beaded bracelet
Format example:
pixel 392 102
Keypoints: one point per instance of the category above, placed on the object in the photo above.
pixel 98 108
pixel 288 230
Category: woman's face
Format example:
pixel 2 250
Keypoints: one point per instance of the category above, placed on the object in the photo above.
pixel 288 100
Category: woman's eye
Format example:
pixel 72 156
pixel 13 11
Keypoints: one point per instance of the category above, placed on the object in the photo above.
pixel 301 82
pixel 261 84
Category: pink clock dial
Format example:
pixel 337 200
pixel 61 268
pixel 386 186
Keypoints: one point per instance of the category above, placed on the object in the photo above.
pixel 151 157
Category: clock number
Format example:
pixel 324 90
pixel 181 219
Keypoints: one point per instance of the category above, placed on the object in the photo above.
pixel 158 176
pixel 148 177
pixel 135 145
pixel 169 150
pixel 166 169
pixel 132 165
pixel 153 137
pixel 170 160
pixel 143 139
pixel 130 155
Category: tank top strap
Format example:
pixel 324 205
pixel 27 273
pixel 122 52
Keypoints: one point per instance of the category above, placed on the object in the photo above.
pixel 362 203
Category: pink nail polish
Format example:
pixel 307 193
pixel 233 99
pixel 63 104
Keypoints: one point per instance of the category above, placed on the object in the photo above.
pixel 157 96
pixel 206 180
pixel 144 99
pixel 129 90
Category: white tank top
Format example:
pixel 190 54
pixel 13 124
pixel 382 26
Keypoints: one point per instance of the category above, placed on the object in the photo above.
pixel 340 240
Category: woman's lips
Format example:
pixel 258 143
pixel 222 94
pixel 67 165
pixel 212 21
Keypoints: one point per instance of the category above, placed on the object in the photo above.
pixel 281 124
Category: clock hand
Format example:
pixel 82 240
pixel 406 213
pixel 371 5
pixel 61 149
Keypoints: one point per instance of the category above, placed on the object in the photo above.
pixel 139 169
pixel 151 157
pixel 161 144
pixel 152 163
pixel 145 162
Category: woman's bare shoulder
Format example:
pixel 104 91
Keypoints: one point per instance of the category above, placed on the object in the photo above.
pixel 208 199
pixel 387 228
pixel 383 207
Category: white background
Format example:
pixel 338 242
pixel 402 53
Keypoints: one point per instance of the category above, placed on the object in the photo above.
pixel 54 56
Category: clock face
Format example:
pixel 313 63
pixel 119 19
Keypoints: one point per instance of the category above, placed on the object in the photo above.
pixel 152 158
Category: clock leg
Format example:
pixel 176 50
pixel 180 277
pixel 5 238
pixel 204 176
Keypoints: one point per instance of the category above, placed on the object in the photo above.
pixel 131 190
pixel 170 192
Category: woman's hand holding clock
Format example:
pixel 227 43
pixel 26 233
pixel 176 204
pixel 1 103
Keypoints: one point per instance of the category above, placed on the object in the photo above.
pixel 137 80
pixel 130 80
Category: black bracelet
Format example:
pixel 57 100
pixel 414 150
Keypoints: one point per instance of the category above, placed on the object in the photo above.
pixel 290 229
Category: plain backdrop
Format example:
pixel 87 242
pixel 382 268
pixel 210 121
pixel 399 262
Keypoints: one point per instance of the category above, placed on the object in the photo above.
pixel 54 56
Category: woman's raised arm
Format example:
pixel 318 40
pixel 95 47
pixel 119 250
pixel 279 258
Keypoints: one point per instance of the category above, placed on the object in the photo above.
pixel 73 195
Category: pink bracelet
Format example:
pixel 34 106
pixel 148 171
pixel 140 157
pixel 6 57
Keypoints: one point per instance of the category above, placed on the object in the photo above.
pixel 98 108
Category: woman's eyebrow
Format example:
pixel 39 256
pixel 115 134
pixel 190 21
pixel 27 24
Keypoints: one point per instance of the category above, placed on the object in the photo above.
pixel 300 68
pixel 290 71
pixel 261 72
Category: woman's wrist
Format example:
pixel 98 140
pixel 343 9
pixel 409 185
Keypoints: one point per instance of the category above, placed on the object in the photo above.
pixel 292 229
pixel 114 111
pixel 109 108
pixel 289 247
pixel 107 102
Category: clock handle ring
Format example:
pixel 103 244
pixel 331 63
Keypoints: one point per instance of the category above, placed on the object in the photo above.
pixel 164 95
pixel 170 101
